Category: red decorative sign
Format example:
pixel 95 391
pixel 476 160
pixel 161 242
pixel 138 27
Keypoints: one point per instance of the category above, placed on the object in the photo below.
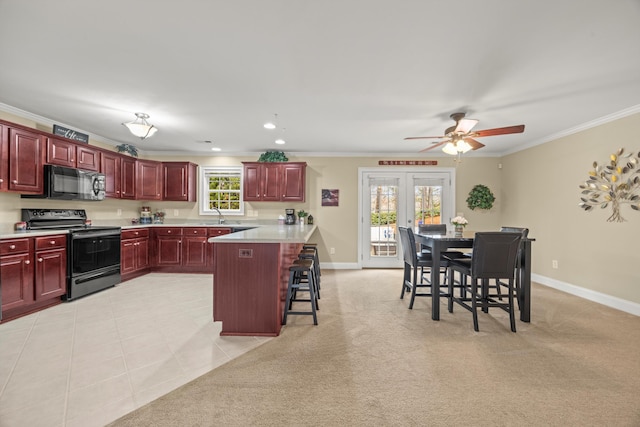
pixel 408 162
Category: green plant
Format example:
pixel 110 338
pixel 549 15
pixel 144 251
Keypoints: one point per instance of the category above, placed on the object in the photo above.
pixel 273 156
pixel 383 218
pixel 480 197
pixel 302 213
pixel 128 148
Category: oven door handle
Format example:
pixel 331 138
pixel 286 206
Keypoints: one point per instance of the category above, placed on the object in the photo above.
pixel 92 234
pixel 87 278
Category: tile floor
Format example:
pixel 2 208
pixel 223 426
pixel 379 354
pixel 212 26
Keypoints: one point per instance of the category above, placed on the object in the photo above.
pixel 90 361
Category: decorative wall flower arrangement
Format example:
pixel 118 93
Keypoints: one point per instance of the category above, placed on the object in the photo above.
pixel 613 184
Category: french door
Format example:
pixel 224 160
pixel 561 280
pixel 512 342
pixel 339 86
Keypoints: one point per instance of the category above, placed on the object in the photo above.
pixel 402 197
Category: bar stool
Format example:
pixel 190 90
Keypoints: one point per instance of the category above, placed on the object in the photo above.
pixel 301 279
pixel 312 255
pixel 316 260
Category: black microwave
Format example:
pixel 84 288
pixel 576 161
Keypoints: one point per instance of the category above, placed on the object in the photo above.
pixel 65 183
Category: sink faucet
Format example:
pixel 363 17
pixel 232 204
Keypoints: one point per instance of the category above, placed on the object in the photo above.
pixel 220 216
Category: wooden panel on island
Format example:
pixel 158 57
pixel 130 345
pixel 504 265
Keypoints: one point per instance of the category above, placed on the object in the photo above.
pixel 250 286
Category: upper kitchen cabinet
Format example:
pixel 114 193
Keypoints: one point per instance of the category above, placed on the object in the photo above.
pixel 110 166
pixel 4 158
pixel 128 178
pixel 148 180
pixel 26 154
pixel 61 153
pixel 274 181
pixel 179 181
pixel 72 154
pixel 87 158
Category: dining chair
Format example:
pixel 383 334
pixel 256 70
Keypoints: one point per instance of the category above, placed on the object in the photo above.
pixel 494 257
pixel 524 232
pixel 415 275
pixel 437 229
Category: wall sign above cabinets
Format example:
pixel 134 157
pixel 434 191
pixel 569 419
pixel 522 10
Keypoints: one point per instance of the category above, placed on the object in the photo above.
pixel 70 134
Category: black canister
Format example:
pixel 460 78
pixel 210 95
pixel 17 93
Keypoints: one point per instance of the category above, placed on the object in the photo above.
pixel 310 220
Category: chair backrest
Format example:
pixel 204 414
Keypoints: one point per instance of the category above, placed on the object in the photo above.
pixel 408 242
pixel 437 229
pixel 494 254
pixel 523 231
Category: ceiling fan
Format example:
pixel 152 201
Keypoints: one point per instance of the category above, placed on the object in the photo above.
pixel 460 139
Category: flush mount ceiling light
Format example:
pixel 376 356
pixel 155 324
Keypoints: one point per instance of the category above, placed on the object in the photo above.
pixel 140 127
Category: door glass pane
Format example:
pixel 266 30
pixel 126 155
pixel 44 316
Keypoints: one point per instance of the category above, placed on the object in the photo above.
pixel 384 208
pixel 427 203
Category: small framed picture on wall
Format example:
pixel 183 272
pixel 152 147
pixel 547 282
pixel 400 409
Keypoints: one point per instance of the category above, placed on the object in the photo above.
pixel 330 197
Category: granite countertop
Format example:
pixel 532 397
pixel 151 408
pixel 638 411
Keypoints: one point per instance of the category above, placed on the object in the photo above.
pixel 269 234
pixel 7 232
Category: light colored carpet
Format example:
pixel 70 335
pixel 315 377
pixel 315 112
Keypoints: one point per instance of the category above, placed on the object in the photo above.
pixel 373 362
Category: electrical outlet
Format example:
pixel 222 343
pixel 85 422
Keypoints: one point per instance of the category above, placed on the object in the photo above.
pixel 119 212
pixel 554 263
pixel 175 212
pixel 332 251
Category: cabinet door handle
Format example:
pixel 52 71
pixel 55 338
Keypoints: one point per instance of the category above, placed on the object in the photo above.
pixel 27 262
pixel 12 246
pixel 52 242
pixel 195 232
pixel 136 233
pixel 15 181
pixel 1 180
pixel 40 260
pixel 168 231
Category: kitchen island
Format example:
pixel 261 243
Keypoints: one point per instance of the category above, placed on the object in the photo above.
pixel 250 275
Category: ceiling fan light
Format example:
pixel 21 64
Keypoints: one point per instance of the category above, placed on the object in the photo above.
pixel 449 148
pixel 463 146
pixel 140 127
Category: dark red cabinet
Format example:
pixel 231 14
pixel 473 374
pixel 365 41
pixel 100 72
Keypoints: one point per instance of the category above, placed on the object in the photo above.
pixel 26 154
pixel 179 181
pixel 274 182
pixel 61 153
pixel 34 272
pixel 110 166
pixel 148 180
pixel 134 252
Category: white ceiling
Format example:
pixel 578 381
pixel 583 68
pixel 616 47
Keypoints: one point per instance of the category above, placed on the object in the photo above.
pixel 344 76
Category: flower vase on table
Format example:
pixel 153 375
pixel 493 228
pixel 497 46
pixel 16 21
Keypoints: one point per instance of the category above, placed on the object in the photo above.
pixel 459 223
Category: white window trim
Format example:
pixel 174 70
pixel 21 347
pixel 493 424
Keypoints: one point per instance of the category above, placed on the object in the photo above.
pixel 204 187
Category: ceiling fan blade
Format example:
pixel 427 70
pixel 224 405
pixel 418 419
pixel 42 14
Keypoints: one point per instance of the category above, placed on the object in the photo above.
pixel 498 131
pixel 423 137
pixel 435 144
pixel 465 125
pixel 473 143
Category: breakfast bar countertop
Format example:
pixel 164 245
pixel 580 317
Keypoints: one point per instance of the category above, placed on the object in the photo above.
pixel 269 234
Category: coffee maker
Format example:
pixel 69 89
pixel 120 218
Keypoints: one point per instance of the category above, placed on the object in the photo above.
pixel 290 216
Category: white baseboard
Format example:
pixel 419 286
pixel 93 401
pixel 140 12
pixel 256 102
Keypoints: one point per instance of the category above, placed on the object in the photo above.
pixel 604 299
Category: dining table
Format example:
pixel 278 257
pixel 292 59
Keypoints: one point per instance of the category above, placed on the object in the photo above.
pixel 439 243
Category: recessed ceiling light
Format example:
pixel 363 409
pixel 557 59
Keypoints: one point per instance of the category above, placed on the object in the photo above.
pixel 280 141
pixel 272 125
pixel 216 149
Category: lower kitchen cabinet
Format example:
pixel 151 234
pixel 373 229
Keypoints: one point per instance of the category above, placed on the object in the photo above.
pixel 182 249
pixel 213 232
pixel 134 253
pixel 34 272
